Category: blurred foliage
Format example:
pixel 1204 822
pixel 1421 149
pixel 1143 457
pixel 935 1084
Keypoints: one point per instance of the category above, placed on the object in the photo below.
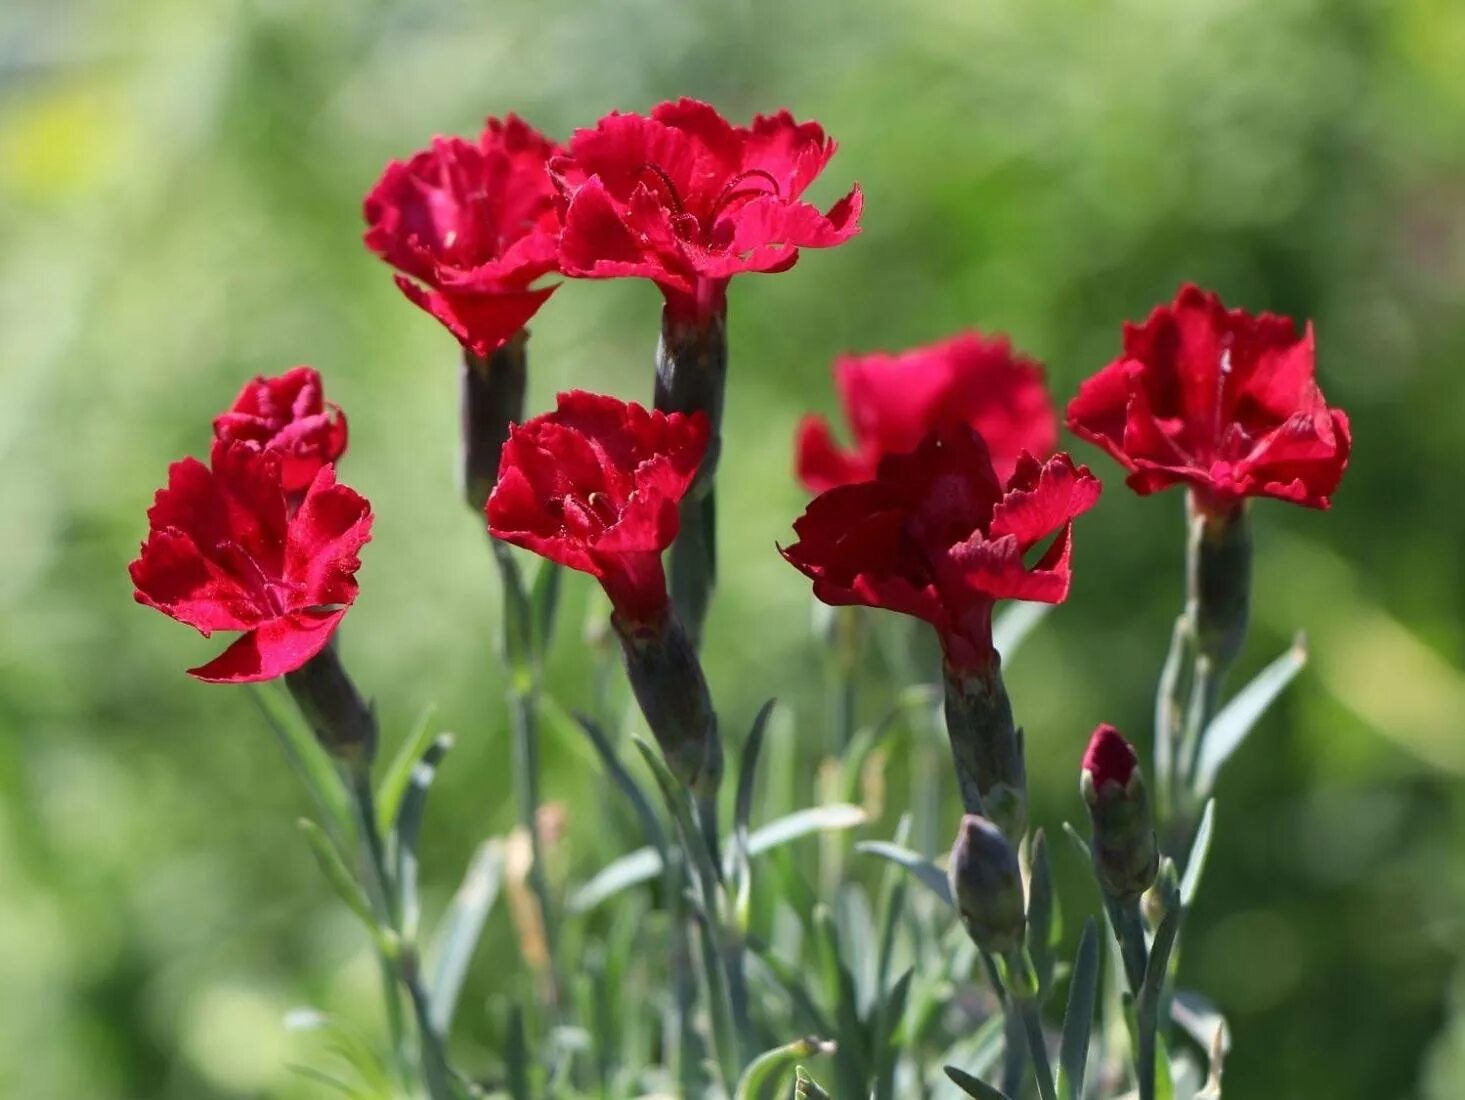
pixel 179 210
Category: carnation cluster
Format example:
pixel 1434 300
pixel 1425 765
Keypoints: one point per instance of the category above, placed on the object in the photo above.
pixel 945 493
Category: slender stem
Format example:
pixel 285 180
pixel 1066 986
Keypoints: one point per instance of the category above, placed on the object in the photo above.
pixel 691 369
pixel 843 646
pixel 381 894
pixel 1014 1048
pixel 693 561
pixel 1032 1024
pixel 358 782
pixel 522 665
pixel 1129 929
pixel 1145 1068
pixel 522 706
pixel 435 1071
pixel 680 1036
pixel 718 958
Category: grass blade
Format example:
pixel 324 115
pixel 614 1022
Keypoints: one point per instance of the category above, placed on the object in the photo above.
pixel 398 775
pixel 1078 1019
pixel 974 1086
pixel 930 876
pixel 459 931
pixel 1200 848
pixel 1229 728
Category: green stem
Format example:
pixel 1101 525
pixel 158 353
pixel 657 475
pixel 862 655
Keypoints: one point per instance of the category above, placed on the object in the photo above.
pixel 691 370
pixel 1014 1049
pixel 522 666
pixel 1032 1024
pixel 1130 930
pixel 680 1037
pixel 716 960
pixel 435 1071
pixel 380 892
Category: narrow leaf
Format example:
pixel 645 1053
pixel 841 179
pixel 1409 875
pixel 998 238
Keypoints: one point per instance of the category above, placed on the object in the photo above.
pixel 793 982
pixel 1079 842
pixel 336 871
pixel 307 759
pixel 1042 906
pixel 640 803
pixel 1078 1019
pixel 739 871
pixel 1159 960
pixel 399 772
pixel 852 1059
pixel 644 864
pixel 973 1086
pixel 766 1069
pixel 459 931
pixel 801 823
pixel 544 600
pixel 1200 848
pixel 748 768
pixel 978 1052
pixel 1228 729
pixel 930 876
pixel 888 1021
pixel 408 826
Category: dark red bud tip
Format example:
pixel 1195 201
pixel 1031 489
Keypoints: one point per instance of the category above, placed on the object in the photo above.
pixel 1109 757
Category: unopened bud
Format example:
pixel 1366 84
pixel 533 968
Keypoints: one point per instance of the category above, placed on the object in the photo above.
pixel 667 679
pixel 492 399
pixel 1126 855
pixel 986 886
pixel 342 721
pixel 987 748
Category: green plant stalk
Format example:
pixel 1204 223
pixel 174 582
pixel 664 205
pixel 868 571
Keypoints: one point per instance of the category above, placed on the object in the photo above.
pixel 1022 997
pixel 522 666
pixel 1130 930
pixel 691 372
pixel 1214 624
pixel 379 890
pixel 843 647
pixel 684 994
pixel 1014 1043
pixel 715 958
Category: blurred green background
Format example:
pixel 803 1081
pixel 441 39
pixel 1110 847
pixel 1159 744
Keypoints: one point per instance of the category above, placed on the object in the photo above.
pixel 180 184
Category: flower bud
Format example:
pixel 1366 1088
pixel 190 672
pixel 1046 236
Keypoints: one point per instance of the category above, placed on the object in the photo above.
pixel 1220 579
pixel 341 720
pixel 667 679
pixel 987 748
pixel 1126 855
pixel 492 398
pixel 986 886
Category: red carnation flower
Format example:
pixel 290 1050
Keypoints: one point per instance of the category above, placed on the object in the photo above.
pixel 594 485
pixel 290 416
pixel 935 535
pixel 1220 400
pixel 224 553
pixel 688 200
pixel 470 225
pixel 893 400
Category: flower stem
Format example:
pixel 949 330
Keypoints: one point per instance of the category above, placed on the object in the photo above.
pixel 691 369
pixel 522 665
pixel 1032 1024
